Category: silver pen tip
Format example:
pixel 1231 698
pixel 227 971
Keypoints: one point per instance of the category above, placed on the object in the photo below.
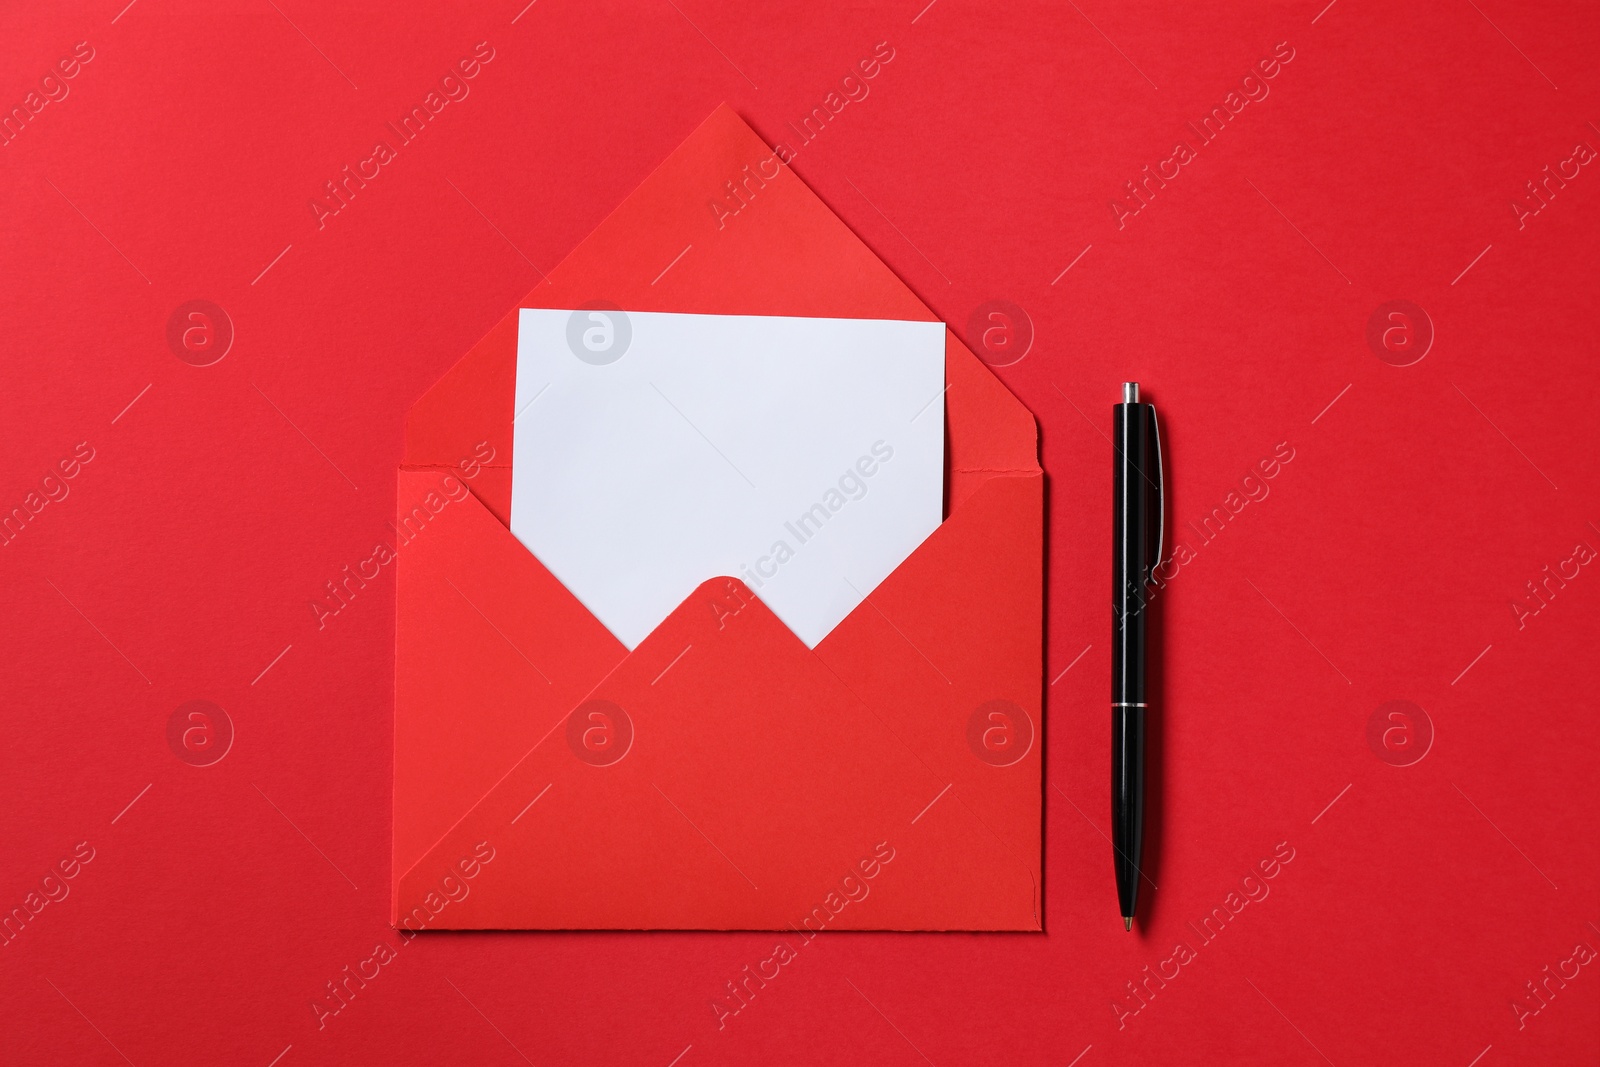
pixel 1130 392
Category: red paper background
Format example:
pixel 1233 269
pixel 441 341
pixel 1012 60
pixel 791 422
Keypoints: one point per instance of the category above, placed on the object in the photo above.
pixel 1382 565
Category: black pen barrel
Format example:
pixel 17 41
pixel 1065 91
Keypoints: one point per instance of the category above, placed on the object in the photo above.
pixel 1136 503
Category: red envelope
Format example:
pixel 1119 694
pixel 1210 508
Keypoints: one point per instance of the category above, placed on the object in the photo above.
pixel 721 775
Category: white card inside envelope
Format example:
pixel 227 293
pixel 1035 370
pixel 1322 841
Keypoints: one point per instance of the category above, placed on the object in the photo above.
pixel 654 451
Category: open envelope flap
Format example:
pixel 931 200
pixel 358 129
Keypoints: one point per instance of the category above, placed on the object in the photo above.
pixel 784 253
pixel 726 777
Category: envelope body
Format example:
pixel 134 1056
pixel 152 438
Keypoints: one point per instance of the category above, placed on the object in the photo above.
pixel 720 775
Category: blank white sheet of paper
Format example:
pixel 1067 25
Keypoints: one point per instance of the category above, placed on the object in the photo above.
pixel 654 451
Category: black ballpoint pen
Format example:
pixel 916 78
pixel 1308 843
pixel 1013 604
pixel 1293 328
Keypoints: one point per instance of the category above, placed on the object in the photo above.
pixel 1138 520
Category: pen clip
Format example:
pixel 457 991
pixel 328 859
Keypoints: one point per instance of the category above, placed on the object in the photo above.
pixel 1161 492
